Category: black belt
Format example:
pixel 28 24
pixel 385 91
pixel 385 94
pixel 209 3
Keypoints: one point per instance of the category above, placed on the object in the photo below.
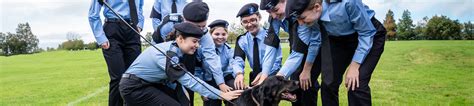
pixel 130 76
pixel 116 20
pixel 161 86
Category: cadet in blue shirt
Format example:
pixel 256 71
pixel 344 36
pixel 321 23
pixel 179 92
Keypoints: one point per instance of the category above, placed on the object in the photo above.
pixel 219 34
pixel 164 14
pixel 197 13
pixel 300 47
pixel 251 45
pixel 120 44
pixel 154 80
pixel 356 40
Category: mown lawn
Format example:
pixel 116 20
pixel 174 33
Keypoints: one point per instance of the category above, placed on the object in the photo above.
pixel 409 73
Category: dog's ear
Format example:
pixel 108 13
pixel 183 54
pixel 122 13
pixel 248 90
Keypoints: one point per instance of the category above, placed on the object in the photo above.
pixel 270 88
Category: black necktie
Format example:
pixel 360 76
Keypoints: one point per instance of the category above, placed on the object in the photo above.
pixel 173 7
pixel 256 58
pixel 133 13
pixel 217 51
pixel 326 58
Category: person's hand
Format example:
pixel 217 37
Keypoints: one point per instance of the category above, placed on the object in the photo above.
pixel 204 98
pixel 239 81
pixel 352 76
pixel 305 76
pixel 224 88
pixel 231 95
pixel 305 79
pixel 105 45
pixel 259 79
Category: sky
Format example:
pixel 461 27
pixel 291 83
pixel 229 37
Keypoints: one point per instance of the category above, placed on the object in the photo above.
pixel 51 20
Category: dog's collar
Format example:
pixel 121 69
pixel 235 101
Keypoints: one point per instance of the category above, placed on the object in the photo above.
pixel 254 100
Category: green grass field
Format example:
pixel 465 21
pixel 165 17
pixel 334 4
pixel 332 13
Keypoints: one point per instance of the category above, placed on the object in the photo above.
pixel 409 73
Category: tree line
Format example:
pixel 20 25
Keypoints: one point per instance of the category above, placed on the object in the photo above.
pixel 435 28
pixel 74 42
pixel 23 41
pixel 438 27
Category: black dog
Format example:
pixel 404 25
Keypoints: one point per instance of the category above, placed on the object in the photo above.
pixel 269 93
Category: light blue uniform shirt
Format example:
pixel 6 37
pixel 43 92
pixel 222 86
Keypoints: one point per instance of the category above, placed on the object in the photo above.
pixel 163 7
pixel 270 51
pixel 207 46
pixel 246 43
pixel 120 6
pixel 210 60
pixel 295 58
pixel 150 66
pixel 348 17
pixel 310 36
pixel 226 55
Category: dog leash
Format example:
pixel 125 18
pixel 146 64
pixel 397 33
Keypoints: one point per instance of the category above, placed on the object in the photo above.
pixel 254 100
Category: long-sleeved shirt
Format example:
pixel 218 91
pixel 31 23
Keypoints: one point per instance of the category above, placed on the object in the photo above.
pixel 348 17
pixel 246 44
pixel 210 59
pixel 226 54
pixel 270 51
pixel 310 36
pixel 150 66
pixel 120 6
pixel 305 34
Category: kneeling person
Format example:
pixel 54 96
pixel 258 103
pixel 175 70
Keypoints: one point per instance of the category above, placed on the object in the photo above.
pixel 153 79
pixel 226 53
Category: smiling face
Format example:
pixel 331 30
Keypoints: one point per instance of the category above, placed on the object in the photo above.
pixel 188 45
pixel 251 23
pixel 219 35
pixel 310 15
pixel 278 12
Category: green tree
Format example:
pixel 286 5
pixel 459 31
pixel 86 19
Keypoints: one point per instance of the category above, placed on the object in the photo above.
pixel 443 28
pixel 390 25
pixel 148 37
pixel 74 42
pixel 234 31
pixel 420 28
pixel 91 46
pixel 50 49
pixel 26 35
pixel 28 43
pixel 405 27
pixel 468 31
pixel 72 45
pixel 3 43
pixel 21 42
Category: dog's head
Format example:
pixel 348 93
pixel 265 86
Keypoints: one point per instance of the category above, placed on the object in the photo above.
pixel 276 88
